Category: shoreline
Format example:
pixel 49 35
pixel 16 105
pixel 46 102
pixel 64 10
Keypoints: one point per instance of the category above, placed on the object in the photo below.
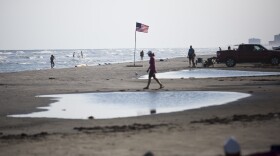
pixel 147 133
pixel 103 64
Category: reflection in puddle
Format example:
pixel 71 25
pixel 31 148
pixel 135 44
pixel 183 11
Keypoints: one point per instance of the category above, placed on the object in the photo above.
pixel 209 73
pixel 127 104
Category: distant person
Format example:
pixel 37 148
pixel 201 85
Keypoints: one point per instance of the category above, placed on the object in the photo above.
pixel 220 48
pixel 229 48
pixel 191 56
pixel 82 55
pixel 152 70
pixel 73 54
pixel 52 61
pixel 142 54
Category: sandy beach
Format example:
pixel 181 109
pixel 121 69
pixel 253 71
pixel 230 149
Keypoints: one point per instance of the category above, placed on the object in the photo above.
pixel 253 121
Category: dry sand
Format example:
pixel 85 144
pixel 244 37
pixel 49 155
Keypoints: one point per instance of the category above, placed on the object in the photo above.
pixel 253 121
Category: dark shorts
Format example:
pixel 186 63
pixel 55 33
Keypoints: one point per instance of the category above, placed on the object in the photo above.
pixel 152 74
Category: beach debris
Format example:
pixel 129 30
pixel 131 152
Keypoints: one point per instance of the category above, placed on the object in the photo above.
pixel 239 118
pixel 116 128
pixel 153 111
pixel 90 117
pixel 149 153
pixel 51 78
pixel 232 147
pixel 24 136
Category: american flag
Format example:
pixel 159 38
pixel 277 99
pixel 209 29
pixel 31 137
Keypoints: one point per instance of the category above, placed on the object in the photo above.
pixel 142 27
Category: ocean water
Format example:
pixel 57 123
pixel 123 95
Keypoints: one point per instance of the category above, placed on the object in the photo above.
pixel 27 60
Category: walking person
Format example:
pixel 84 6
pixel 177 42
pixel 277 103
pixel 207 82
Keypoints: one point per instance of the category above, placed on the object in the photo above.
pixel 191 56
pixel 152 71
pixel 52 61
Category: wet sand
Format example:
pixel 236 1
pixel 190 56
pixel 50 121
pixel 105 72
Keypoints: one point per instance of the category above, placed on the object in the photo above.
pixel 253 121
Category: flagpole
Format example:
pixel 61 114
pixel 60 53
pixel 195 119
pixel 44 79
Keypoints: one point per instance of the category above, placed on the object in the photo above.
pixel 140 28
pixel 135 47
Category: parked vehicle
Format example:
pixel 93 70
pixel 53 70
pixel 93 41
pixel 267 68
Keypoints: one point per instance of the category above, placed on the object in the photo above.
pixel 246 53
pixel 276 48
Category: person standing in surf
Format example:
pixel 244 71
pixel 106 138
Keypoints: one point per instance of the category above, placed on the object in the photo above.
pixel 52 61
pixel 152 70
pixel 191 56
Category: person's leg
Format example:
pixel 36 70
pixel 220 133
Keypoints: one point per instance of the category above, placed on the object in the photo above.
pixel 193 62
pixel 148 85
pixel 157 80
pixel 190 61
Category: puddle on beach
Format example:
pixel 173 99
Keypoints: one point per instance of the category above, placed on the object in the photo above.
pixel 208 73
pixel 129 104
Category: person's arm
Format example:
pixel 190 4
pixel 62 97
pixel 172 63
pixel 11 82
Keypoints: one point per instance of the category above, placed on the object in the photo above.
pixel 149 68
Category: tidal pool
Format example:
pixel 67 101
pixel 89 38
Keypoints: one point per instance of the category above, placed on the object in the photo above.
pixel 128 104
pixel 208 73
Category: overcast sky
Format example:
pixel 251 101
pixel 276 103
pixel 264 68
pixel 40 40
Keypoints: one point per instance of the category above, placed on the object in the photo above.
pixel 81 24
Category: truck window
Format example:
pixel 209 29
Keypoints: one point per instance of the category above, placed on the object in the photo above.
pixel 258 48
pixel 243 48
pixel 246 48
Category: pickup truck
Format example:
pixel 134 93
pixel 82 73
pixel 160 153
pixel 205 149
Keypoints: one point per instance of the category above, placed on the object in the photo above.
pixel 246 53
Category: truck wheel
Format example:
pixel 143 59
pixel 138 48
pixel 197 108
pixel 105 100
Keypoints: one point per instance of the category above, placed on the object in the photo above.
pixel 230 62
pixel 274 61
